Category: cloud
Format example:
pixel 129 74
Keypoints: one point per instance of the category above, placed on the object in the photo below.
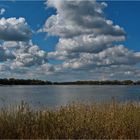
pixel 87 41
pixel 5 54
pixel 23 60
pixel 13 29
pixel 28 55
pixel 22 54
pixel 46 69
pixel 2 11
pixel 71 20
pixel 118 55
pixel 82 30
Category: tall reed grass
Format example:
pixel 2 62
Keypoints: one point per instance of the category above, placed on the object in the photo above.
pixel 75 121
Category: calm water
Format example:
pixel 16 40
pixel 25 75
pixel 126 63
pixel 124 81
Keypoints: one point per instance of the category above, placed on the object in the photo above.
pixel 55 96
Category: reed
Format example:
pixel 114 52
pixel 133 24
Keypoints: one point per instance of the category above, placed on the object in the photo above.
pixel 75 121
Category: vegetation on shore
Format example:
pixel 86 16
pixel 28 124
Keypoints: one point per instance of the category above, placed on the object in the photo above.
pixel 13 81
pixel 76 121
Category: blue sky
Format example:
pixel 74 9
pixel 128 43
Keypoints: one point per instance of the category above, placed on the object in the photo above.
pixel 126 14
pixel 36 13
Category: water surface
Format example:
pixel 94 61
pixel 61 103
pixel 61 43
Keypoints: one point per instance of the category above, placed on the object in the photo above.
pixel 57 95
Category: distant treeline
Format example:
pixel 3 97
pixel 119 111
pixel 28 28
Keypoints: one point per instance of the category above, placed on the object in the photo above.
pixel 13 81
pixel 107 82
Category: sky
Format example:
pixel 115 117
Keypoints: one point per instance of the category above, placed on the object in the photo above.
pixel 66 40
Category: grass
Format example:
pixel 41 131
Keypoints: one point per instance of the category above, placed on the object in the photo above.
pixel 75 121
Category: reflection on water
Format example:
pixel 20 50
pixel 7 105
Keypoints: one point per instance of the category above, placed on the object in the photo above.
pixel 52 96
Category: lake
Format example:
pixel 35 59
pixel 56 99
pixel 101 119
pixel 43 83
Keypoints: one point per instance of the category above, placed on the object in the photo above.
pixel 57 95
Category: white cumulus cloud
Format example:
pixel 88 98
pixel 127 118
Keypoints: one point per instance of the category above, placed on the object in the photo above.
pixel 14 29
